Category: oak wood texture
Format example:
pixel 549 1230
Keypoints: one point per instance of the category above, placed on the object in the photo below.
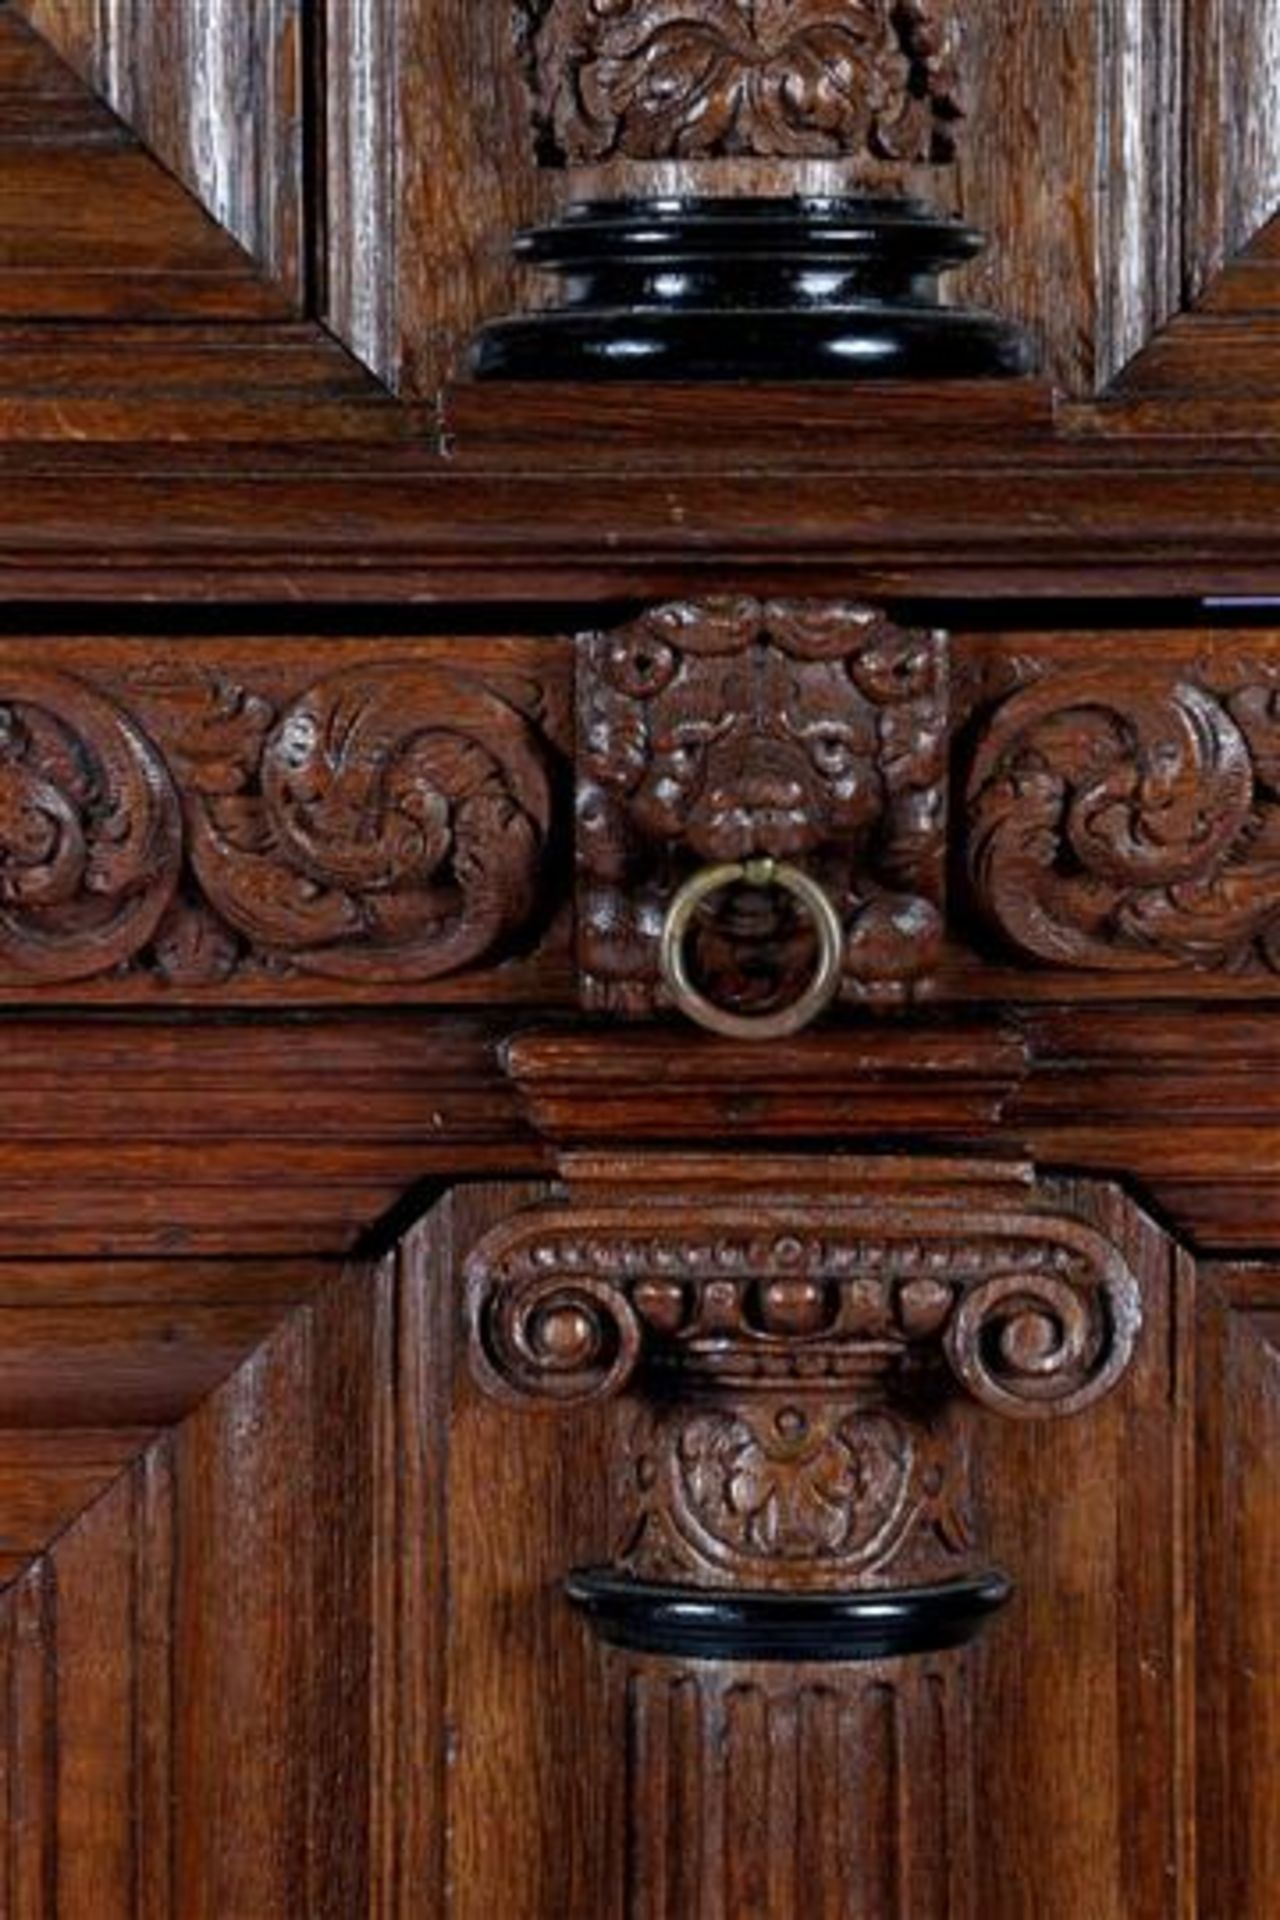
pixel 203 1682
pixel 92 226
pixel 941 516
pixel 281 1622
pixel 342 198
pixel 715 1748
pixel 235 821
pixel 428 171
pixel 1238 1397
pixel 215 89
pixel 1118 93
pixel 376 819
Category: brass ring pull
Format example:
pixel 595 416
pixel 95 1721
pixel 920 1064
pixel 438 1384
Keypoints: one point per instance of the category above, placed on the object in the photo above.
pixel 818 995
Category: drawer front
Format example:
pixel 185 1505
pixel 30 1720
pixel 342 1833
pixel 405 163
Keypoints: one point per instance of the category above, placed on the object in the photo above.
pixel 1040 814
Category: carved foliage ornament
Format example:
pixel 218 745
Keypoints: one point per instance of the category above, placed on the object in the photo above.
pixel 386 825
pixel 728 728
pixel 1131 827
pixel 703 79
pixel 783 1489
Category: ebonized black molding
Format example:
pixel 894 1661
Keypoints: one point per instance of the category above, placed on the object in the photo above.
pixel 750 289
pixel 697 1623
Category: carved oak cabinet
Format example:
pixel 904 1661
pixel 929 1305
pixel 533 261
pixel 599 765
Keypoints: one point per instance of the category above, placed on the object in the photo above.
pixel 639 960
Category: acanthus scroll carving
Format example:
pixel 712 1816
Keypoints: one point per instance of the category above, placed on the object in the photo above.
pixel 90 830
pixel 1131 827
pixel 386 824
pixel 729 728
pixel 705 79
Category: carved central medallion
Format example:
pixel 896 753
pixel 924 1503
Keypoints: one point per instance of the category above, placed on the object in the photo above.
pixel 727 729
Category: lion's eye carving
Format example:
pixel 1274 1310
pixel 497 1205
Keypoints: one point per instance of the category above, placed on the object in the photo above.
pixel 833 755
pixel 643 668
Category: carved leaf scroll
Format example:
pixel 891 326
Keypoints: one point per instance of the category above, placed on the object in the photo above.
pixel 705 79
pixel 90 830
pixel 1131 827
pixel 386 824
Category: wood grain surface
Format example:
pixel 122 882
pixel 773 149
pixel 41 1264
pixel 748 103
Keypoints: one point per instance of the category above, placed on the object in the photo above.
pixel 93 227
pixel 215 90
pixel 282 1629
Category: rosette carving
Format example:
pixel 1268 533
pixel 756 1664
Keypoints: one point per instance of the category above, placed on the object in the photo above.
pixel 786 1490
pixel 704 79
pixel 1131 828
pixel 729 728
pixel 90 830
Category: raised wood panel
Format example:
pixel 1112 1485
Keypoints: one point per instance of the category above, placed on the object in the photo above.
pixel 215 88
pixel 187 1654
pixel 428 173
pixel 1238 1646
pixel 1232 141
pixel 92 226
pixel 1092 1645
pixel 1070 162
pixel 223 1672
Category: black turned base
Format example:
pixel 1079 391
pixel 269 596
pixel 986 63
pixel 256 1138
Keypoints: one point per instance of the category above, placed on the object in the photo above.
pixel 699 1623
pixel 803 289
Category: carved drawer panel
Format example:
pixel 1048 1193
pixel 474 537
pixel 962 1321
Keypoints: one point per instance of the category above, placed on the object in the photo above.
pixel 228 820
pixel 1006 813
pixel 284 819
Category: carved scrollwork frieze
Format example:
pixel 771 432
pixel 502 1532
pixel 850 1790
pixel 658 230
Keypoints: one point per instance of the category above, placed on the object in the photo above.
pixel 384 825
pixel 731 729
pixel 769 79
pixel 1132 824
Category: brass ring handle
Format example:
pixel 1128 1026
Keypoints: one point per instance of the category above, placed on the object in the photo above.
pixel 818 995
